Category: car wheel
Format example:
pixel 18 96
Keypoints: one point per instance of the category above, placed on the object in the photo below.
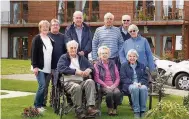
pixel 182 81
pixel 161 71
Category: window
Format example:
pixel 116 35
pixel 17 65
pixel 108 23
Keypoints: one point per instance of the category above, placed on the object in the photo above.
pixel 144 10
pixel 167 47
pixel 60 12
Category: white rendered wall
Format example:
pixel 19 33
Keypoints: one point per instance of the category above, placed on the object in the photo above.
pixel 4 43
pixel 5 12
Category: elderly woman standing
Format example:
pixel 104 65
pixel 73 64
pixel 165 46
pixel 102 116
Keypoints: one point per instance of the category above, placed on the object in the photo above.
pixel 141 45
pixel 134 81
pixel 107 75
pixel 41 55
pixel 77 70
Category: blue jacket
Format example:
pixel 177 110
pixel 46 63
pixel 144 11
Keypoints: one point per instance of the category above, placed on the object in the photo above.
pixel 126 74
pixel 141 45
pixel 125 37
pixel 86 40
pixel 65 61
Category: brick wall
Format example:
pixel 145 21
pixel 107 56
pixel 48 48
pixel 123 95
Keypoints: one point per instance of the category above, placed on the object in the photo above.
pixel 117 8
pixel 186 10
pixel 41 10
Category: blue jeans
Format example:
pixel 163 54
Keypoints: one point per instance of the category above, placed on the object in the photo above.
pixel 139 97
pixel 39 98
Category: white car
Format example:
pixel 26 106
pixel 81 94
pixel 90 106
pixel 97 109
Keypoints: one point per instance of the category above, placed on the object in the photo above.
pixel 163 65
pixel 180 75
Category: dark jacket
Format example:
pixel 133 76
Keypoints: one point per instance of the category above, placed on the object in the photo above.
pixel 59 48
pixel 101 69
pixel 37 56
pixel 125 37
pixel 65 61
pixel 86 40
pixel 126 74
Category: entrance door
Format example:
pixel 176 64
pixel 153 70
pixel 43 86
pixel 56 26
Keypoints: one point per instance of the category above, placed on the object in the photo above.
pixel 20 45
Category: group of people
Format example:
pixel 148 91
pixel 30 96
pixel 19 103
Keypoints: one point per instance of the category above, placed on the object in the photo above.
pixel 120 57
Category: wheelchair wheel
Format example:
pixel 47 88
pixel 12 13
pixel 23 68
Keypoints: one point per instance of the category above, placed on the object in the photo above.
pixel 56 100
pixel 63 106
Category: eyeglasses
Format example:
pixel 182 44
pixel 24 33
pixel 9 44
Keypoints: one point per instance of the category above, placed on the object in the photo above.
pixel 133 31
pixel 126 20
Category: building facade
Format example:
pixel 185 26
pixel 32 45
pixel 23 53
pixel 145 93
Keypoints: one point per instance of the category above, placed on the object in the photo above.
pixel 165 24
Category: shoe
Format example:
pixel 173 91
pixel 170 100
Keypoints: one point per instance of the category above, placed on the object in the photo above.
pixel 92 111
pixel 80 113
pixel 137 115
pixel 41 110
pixel 114 113
pixel 142 114
pixel 110 113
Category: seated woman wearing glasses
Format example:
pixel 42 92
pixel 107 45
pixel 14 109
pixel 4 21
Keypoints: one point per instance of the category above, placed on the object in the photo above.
pixel 134 81
pixel 141 45
pixel 107 75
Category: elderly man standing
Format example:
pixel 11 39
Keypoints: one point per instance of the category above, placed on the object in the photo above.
pixel 109 36
pixel 80 32
pixel 126 21
pixel 77 70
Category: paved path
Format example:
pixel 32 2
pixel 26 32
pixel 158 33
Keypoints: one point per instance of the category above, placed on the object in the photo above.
pixel 12 94
pixel 27 77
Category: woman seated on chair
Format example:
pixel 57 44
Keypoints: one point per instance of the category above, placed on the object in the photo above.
pixel 135 79
pixel 107 75
pixel 76 68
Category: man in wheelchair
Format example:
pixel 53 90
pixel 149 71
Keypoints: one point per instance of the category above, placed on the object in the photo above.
pixel 76 70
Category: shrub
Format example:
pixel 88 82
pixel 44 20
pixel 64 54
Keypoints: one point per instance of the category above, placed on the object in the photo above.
pixel 186 101
pixel 168 110
pixel 30 113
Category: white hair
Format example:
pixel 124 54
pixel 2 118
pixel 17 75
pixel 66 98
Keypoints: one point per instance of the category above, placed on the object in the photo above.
pixel 70 43
pixel 132 51
pixel 101 48
pixel 108 15
pixel 77 12
pixel 133 27
pixel 126 16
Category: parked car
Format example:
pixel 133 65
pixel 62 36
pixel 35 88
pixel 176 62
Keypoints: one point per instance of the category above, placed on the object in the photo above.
pixel 162 65
pixel 179 76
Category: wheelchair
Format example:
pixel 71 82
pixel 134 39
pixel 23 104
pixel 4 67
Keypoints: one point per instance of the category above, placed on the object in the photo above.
pixel 61 101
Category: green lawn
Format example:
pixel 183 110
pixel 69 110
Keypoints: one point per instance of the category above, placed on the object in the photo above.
pixel 13 107
pixel 13 66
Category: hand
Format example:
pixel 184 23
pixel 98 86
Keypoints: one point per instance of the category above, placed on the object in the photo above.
pixel 35 71
pixel 94 61
pixel 79 72
pixel 85 73
pixel 139 85
pixel 81 53
pixel 112 87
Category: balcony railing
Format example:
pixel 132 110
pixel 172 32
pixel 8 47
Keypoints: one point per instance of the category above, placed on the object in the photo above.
pixel 167 13
pixel 65 16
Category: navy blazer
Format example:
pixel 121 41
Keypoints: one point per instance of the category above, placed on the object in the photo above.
pixel 86 40
pixel 126 74
pixel 125 37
